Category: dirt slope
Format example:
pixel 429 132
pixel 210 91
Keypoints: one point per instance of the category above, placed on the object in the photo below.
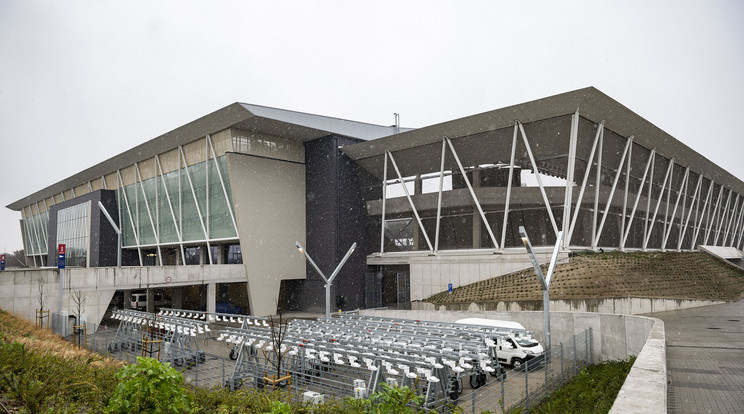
pixel 687 275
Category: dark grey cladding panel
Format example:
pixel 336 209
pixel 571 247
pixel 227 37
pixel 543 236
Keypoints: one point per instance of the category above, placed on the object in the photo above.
pixel 103 238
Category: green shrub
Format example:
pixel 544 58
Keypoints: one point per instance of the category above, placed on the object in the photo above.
pixel 149 387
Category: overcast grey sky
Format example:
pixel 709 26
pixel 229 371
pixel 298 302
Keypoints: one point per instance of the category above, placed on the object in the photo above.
pixel 81 81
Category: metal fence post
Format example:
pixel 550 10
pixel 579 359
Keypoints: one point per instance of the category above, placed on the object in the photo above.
pixel 547 364
pixel 503 393
pixel 223 372
pixel 574 361
pixel 473 401
pixel 591 348
pixel 563 380
pixel 526 386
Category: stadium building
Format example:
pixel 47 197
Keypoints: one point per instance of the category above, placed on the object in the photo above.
pixel 210 212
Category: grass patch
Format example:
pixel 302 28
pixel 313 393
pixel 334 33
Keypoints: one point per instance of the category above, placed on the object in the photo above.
pixel 593 390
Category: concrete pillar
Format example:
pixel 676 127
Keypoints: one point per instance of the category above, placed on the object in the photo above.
pixel 177 298
pixel 211 297
pixel 203 255
pixel 179 258
pixel 127 297
pixel 220 259
pixel 150 301
pixel 417 189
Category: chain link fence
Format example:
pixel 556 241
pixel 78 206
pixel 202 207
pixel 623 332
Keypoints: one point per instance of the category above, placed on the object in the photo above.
pixel 521 389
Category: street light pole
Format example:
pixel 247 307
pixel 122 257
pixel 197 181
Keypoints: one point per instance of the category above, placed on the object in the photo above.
pixel 544 280
pixel 328 280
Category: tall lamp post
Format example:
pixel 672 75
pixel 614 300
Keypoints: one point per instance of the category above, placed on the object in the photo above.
pixel 328 280
pixel 544 280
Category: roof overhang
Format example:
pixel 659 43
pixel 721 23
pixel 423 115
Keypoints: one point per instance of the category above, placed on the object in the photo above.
pixel 591 104
pixel 253 118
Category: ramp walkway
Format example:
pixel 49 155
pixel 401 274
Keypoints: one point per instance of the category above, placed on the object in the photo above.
pixel 705 357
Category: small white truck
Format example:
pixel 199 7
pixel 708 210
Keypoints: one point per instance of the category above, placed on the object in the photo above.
pixel 515 347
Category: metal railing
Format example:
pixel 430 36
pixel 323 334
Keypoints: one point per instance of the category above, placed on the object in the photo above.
pixel 519 389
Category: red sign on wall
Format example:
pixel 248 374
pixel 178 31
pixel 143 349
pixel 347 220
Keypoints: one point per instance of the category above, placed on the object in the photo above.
pixel 2 257
pixel 61 249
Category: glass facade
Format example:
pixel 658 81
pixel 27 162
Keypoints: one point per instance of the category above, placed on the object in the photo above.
pixel 35 230
pixel 73 230
pixel 190 202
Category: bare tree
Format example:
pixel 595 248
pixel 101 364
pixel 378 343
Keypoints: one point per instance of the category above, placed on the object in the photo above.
pixel 40 294
pixel 79 300
pixel 278 329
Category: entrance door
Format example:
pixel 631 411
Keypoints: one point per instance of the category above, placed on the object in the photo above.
pixel 404 288
pixel 373 289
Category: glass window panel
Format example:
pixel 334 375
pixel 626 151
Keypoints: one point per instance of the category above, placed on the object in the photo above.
pixel 73 230
pixel 220 221
pixel 146 234
pixel 127 236
pixel 167 224
pixel 191 222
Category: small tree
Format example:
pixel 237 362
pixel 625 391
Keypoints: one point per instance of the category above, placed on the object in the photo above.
pixel 40 294
pixel 79 300
pixel 278 328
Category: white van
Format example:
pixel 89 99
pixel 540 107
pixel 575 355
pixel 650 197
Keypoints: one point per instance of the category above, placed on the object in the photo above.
pixel 138 300
pixel 516 348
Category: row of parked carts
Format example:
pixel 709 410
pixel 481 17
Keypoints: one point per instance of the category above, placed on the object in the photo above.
pixel 343 355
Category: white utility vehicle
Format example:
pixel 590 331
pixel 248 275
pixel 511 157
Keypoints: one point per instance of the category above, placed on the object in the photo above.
pixel 514 349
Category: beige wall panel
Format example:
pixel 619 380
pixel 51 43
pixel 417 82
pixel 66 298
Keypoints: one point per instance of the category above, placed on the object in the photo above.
pixel 169 161
pixel 195 152
pixel 268 146
pixel 269 198
pixel 112 183
pixel 147 168
pixel 96 185
pixel 50 202
pixel 23 213
pixel 67 195
pixel 57 198
pixel 81 189
pixel 128 175
pixel 221 142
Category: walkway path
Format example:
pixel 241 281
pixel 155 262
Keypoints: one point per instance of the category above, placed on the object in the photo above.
pixel 705 358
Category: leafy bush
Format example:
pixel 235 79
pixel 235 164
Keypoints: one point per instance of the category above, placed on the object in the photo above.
pixel 149 387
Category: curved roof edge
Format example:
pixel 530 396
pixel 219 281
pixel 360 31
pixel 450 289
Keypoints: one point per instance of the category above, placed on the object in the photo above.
pixel 591 103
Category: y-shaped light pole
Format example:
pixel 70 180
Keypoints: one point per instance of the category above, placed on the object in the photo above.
pixel 544 281
pixel 328 280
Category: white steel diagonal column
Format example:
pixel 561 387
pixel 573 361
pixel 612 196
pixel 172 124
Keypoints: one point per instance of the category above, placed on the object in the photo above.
pixel 702 214
pixel 384 202
pixel 149 213
pixel 196 202
pixel 715 214
pixel 695 199
pixel 472 193
pixel 658 203
pixel 585 180
pixel 597 186
pixel 129 213
pixel 439 197
pixel 674 211
pixel 539 181
pixel 410 201
pixel 637 199
pixel 509 185
pixel 224 189
pixel 570 166
pixel 170 207
pixel 735 231
pixel 730 221
pixel 722 219
pixel 628 143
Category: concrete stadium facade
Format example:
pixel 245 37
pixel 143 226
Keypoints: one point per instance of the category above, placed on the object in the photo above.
pixel 427 208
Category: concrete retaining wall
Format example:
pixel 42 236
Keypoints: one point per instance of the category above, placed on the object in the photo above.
pixel 614 337
pixel 19 289
pixel 624 306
